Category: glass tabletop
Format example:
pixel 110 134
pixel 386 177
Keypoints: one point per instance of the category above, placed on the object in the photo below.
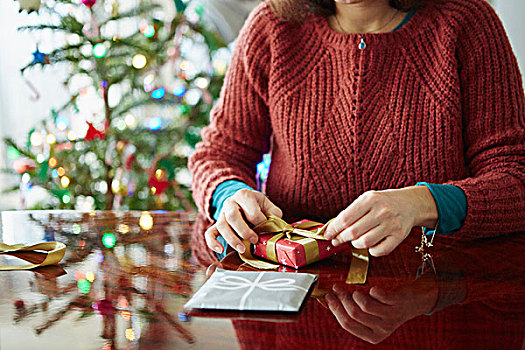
pixel 126 276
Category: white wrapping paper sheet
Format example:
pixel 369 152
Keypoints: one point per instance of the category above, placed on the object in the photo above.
pixel 252 290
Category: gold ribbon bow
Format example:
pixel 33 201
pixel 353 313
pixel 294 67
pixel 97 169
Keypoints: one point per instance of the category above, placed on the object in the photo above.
pixel 299 232
pixel 41 254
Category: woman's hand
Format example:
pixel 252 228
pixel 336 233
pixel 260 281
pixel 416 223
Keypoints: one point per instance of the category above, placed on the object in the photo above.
pixel 375 315
pixel 243 208
pixel 381 220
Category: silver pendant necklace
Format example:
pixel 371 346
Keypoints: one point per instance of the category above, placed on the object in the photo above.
pixel 362 43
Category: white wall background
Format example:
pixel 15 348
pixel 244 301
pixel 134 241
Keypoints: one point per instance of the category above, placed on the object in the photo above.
pixel 512 13
pixel 18 113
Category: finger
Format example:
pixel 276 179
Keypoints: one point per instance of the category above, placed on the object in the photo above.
pixel 348 324
pixel 370 305
pixel 355 312
pixel 211 269
pixel 232 213
pixel 268 207
pixel 347 217
pixel 383 296
pixel 384 247
pixel 210 236
pixel 231 238
pixel 251 208
pixel 351 233
pixel 370 238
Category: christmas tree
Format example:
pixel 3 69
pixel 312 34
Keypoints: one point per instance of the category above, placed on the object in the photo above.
pixel 142 81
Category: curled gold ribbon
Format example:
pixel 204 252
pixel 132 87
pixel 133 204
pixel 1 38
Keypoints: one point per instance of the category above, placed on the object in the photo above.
pixel 275 224
pixel 299 233
pixel 41 254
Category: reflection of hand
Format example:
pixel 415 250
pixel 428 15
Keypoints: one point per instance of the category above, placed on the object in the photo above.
pixel 375 315
pixel 231 224
pixel 381 220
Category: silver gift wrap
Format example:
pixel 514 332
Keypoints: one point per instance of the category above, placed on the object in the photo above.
pixel 252 290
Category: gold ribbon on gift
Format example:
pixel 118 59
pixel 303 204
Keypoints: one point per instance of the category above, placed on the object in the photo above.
pixel 41 254
pixel 299 233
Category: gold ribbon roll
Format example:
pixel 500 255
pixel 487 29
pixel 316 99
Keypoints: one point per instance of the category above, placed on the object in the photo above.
pixel 41 254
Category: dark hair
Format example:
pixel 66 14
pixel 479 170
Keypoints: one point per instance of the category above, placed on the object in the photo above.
pixel 296 10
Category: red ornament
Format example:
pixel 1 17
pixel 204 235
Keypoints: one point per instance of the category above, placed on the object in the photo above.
pixel 89 3
pixel 23 165
pixel 93 133
pixel 19 304
pixel 160 185
pixel 129 161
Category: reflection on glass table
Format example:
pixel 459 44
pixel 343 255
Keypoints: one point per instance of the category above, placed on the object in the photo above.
pixel 126 276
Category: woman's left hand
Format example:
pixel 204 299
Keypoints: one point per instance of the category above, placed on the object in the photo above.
pixel 381 220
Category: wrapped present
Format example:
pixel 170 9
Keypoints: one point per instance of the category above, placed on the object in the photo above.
pixel 295 245
pixel 252 290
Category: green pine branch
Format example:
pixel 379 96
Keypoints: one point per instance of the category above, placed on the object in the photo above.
pixel 135 12
pixel 10 142
pixel 10 189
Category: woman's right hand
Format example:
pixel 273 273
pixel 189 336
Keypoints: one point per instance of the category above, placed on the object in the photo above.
pixel 243 208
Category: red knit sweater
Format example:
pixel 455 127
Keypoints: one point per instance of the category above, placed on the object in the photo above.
pixel 440 100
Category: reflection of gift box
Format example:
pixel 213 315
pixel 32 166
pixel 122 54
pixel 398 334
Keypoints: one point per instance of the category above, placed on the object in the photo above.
pixel 295 245
pixel 252 290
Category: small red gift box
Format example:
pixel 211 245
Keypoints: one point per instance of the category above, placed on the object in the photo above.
pixel 295 250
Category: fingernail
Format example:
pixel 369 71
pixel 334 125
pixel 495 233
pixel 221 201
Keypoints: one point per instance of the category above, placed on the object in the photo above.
pixel 218 249
pixel 335 243
pixel 328 235
pixel 329 298
pixel 240 248
pixel 254 240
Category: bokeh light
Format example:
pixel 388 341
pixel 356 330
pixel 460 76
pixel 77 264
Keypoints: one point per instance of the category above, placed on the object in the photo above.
pixel 90 276
pixel 75 228
pixel 36 139
pixel 201 83
pixel 61 122
pixel 155 123
pixel 126 315
pixel 84 286
pixel 179 90
pixel 130 335
pixel 51 139
pixel 109 240
pixel 71 135
pixel 158 93
pixel 99 50
pixel 123 228
pixel 149 31
pixel 146 221
pixel 130 120
pixel 139 61
pixel 53 162
pixel 64 181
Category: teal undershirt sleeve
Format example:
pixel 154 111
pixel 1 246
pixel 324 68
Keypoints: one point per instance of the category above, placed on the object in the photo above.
pixel 451 204
pixel 224 191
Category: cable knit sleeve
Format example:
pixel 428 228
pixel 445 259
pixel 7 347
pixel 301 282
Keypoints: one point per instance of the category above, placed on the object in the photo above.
pixel 493 127
pixel 239 130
